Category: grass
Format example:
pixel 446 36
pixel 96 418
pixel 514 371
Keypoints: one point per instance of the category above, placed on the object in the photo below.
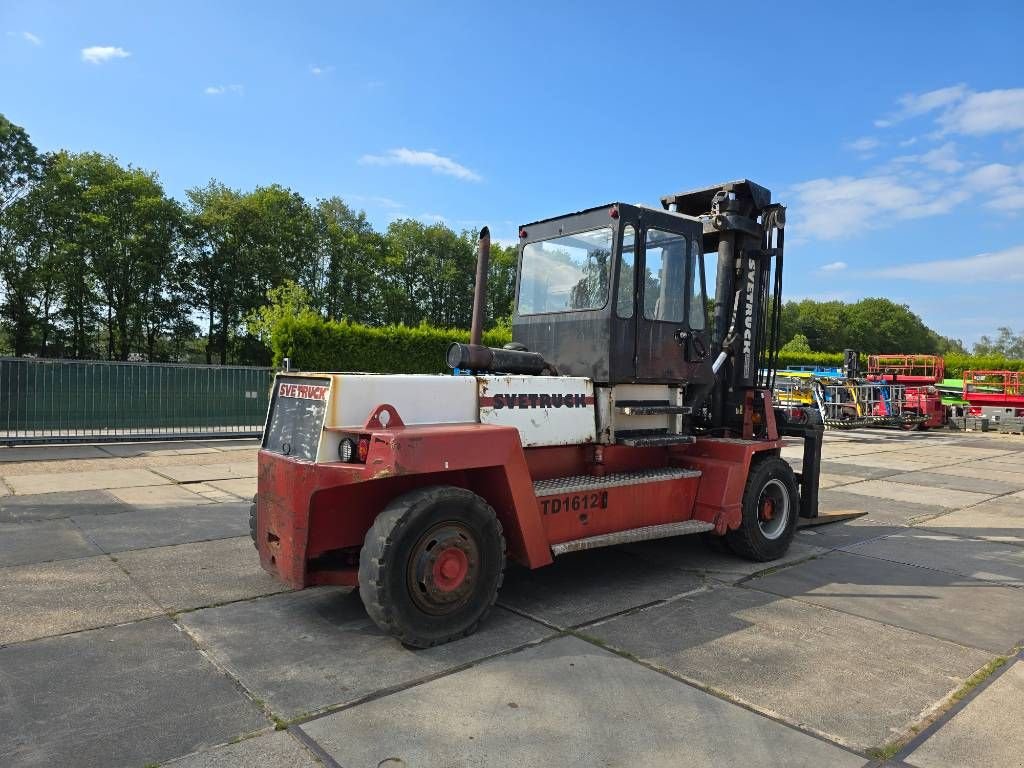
pixel 886 751
pixel 889 750
pixel 979 677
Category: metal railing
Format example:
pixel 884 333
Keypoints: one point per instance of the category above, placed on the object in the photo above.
pixel 45 400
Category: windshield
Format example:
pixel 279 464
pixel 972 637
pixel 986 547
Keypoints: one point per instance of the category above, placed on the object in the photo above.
pixel 566 273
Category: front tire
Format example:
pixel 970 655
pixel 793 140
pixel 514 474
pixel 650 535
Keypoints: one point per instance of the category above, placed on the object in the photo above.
pixel 431 565
pixel 771 505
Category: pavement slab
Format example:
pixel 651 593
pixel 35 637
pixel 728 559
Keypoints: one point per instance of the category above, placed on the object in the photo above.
pixel 838 467
pixel 14 454
pixel 195 575
pixel 916 494
pixel 977 559
pixel 90 480
pixel 124 696
pixel 855 680
pixel 986 471
pixel 827 480
pixel 244 488
pixel 274 750
pixel 892 461
pixel 159 496
pixel 23 543
pixel 166 526
pixel 303 651
pixel 985 733
pixel 52 506
pixel 997 520
pixel 585 586
pixel 46 599
pixel 710 557
pixel 197 473
pixel 563 703
pixel 170 448
pixel 840 500
pixel 937 480
pixel 845 533
pixel 975 613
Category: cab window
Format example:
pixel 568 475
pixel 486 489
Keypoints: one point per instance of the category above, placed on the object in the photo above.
pixel 626 295
pixel 665 255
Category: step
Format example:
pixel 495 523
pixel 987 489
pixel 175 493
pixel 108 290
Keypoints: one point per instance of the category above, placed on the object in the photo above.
pixel 651 408
pixel 639 438
pixel 577 483
pixel 634 534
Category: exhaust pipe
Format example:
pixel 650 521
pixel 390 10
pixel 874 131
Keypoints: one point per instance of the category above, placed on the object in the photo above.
pixel 476 328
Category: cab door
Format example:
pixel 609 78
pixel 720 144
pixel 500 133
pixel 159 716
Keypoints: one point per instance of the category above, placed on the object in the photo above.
pixel 670 309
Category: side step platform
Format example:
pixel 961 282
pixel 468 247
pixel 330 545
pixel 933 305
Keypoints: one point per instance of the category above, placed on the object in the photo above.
pixel 583 483
pixel 651 408
pixel 651 438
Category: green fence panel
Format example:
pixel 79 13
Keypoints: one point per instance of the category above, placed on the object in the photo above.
pixel 42 398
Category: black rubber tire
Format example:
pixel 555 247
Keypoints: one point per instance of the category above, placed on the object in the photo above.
pixel 386 558
pixel 749 540
pixel 252 522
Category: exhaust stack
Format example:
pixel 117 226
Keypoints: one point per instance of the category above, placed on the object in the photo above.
pixel 476 328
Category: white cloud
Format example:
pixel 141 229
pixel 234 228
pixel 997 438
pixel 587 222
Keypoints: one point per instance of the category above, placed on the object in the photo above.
pixel 1001 266
pixel 863 144
pixel 835 266
pixel 963 111
pixel 375 200
pixel 987 112
pixel 941 159
pixel 912 105
pixel 97 54
pixel 324 70
pixel 34 39
pixel 436 163
pixel 991 176
pixel 432 218
pixel 220 90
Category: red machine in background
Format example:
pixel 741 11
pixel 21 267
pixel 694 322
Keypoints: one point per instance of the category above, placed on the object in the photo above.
pixel 987 390
pixel 919 374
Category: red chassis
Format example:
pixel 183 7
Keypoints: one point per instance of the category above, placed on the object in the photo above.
pixel 311 519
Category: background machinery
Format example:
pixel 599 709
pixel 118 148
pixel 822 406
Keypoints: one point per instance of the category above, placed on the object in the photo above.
pixel 619 413
pixel 919 375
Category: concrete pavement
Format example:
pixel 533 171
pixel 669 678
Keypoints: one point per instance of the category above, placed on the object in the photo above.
pixel 136 628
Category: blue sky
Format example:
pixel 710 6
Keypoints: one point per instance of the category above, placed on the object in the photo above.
pixel 894 131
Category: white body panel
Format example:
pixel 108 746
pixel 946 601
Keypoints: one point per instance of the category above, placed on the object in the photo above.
pixel 418 399
pixel 609 419
pixel 547 410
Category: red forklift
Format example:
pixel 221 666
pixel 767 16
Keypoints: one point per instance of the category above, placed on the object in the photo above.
pixel 620 412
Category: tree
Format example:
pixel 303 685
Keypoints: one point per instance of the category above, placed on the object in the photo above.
pixel 241 246
pixel 1006 344
pixel 20 168
pixel 351 255
pixel 20 164
pixel 797 344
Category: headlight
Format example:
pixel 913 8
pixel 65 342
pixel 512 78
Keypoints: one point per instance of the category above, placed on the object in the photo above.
pixel 346 450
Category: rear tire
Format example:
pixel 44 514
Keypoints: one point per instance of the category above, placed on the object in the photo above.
pixel 431 565
pixel 771 504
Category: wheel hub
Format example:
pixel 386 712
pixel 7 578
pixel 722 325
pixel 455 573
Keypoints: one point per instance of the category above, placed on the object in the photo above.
pixel 443 568
pixel 450 569
pixel 773 509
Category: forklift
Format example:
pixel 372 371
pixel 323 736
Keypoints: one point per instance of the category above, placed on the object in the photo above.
pixel 619 413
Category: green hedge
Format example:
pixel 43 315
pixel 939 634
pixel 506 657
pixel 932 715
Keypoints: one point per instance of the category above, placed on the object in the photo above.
pixel 314 344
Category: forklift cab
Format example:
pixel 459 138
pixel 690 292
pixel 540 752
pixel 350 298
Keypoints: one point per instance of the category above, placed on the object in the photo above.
pixel 617 294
